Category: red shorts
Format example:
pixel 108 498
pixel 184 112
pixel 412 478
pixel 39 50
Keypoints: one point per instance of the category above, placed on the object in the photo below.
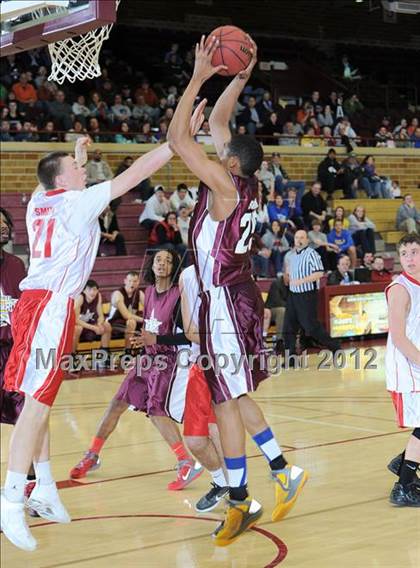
pixel 198 412
pixel 42 329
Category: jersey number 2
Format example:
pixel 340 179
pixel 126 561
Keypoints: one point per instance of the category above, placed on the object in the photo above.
pixel 249 221
pixel 38 227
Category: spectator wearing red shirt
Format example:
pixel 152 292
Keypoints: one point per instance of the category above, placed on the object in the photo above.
pixel 378 273
pixel 25 93
pixel 150 97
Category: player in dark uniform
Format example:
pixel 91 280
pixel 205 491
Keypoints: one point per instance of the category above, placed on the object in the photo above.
pixel 12 271
pixel 231 311
pixel 158 390
pixel 90 319
pixel 124 315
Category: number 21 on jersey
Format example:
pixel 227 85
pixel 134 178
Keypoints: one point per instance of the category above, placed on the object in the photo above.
pixel 249 221
pixel 44 230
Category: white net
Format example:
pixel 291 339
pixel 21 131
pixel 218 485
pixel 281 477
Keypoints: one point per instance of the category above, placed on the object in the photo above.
pixel 77 58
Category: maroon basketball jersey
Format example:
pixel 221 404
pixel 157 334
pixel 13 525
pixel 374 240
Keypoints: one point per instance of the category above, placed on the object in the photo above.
pixel 132 305
pixel 221 249
pixel 160 314
pixel 12 271
pixel 89 310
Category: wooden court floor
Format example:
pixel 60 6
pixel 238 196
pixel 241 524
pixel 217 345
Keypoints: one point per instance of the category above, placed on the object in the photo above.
pixel 338 424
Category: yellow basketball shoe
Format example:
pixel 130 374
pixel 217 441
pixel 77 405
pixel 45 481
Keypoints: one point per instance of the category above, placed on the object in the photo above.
pixel 239 516
pixel 289 483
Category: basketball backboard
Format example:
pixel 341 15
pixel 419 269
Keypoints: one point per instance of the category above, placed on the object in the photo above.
pixel 47 22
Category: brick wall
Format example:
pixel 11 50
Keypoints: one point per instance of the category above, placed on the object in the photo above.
pixel 19 161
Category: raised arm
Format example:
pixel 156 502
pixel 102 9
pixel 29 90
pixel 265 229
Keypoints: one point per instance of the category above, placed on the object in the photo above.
pixel 180 139
pixel 223 109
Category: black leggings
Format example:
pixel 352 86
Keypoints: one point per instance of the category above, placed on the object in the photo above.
pixel 366 239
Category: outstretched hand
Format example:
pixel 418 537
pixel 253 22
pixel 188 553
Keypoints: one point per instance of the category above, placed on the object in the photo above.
pixel 197 117
pixel 204 51
pixel 81 149
pixel 246 73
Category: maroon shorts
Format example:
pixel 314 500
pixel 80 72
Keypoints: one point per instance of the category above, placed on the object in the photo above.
pixel 89 335
pixel 157 391
pixel 232 348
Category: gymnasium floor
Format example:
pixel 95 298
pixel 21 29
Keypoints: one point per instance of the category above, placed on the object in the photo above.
pixel 337 424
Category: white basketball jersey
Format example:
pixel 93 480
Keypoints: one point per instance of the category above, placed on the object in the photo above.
pixel 403 375
pixel 191 291
pixel 64 235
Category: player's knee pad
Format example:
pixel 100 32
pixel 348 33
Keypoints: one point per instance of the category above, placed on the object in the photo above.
pixel 416 433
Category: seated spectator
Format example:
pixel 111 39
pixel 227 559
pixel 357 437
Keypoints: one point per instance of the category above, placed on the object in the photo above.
pixel 276 303
pixel 78 131
pixel 265 106
pixel 60 112
pixel 415 138
pixel 352 173
pixel 403 125
pixel 347 136
pixel 250 117
pixel 304 114
pixel 329 173
pixel 349 73
pixel 310 138
pixel 146 136
pixel 49 133
pixel 290 135
pixel 203 135
pixel 266 177
pixel 275 241
pixel 5 135
pixel 15 116
pixel 262 212
pixel 294 207
pixel 241 129
pixel 184 220
pixel 352 105
pixel 166 235
pixel 370 181
pixel 395 190
pixel 362 230
pixel 271 129
pixel 181 197
pixel 339 215
pixel 120 112
pixel 342 274
pixel 95 132
pixel 141 111
pixel 326 117
pixel 367 260
pixel 124 136
pixel 278 210
pixel 90 319
pixel 157 206
pixel 260 256
pixel 342 238
pixel 315 125
pixel 402 139
pixel 318 241
pixel 162 132
pixel 414 124
pixel 24 92
pixel 97 169
pixel 408 216
pixel 384 138
pixel 314 206
pixel 96 104
pixel 41 76
pixel 144 188
pixel 110 232
pixel 379 274
pixel 27 133
pixel 148 94
pixel 80 110
pixel 282 182
pixel 124 315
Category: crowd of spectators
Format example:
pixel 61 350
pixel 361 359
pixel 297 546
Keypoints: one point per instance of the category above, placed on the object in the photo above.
pixel 124 107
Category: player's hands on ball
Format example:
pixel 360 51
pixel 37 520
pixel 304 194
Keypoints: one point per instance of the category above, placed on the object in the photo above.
pixel 204 51
pixel 246 73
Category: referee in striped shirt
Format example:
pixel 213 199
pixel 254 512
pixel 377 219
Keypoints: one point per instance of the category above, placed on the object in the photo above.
pixel 305 270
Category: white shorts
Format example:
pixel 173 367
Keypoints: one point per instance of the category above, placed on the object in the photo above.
pixel 407 407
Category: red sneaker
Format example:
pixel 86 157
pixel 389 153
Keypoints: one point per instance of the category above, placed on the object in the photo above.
pixel 29 487
pixel 89 463
pixel 187 471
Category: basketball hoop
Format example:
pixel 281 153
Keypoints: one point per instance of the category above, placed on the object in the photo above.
pixel 77 58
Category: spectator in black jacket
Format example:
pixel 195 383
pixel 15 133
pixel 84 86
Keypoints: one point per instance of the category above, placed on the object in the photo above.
pixel 342 274
pixel 272 129
pixel 110 232
pixel 329 173
pixel 314 206
pixel 352 173
pixel 166 235
pixel 250 117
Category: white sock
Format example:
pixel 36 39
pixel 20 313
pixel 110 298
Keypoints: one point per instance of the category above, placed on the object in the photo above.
pixel 219 477
pixel 43 473
pixel 14 486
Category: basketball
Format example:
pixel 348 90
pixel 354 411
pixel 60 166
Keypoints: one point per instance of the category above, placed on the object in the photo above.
pixel 234 50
